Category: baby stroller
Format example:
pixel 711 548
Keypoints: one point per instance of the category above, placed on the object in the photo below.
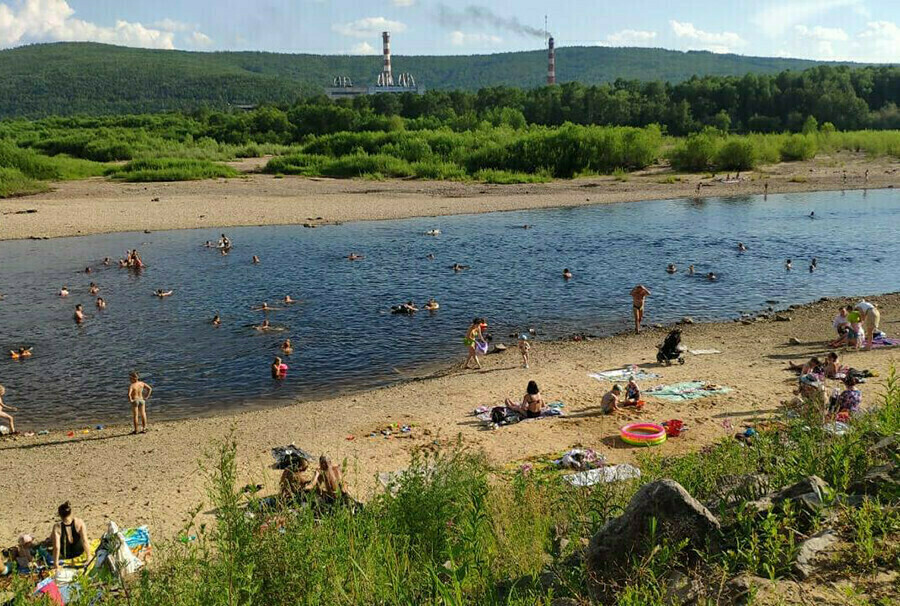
pixel 671 349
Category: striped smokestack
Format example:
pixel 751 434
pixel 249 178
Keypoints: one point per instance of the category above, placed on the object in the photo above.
pixel 551 63
pixel 387 79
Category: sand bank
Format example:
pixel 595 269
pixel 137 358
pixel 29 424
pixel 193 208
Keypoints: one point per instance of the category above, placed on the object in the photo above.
pixel 98 205
pixel 154 478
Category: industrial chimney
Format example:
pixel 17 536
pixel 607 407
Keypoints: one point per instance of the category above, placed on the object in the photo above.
pixel 387 79
pixel 551 63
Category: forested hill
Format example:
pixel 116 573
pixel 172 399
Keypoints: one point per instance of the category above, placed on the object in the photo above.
pixel 88 78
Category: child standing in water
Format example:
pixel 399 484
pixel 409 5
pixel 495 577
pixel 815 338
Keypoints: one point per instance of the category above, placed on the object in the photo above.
pixel 524 348
pixel 5 415
pixel 138 392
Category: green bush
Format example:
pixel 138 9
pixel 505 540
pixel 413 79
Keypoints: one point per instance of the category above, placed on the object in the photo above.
pixel 736 154
pixel 14 183
pixel 697 153
pixel 170 169
pixel 798 147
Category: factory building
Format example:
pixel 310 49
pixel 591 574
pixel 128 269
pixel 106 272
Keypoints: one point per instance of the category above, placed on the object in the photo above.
pixel 342 87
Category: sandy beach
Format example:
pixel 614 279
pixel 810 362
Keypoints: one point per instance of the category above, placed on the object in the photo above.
pixel 155 478
pixel 97 205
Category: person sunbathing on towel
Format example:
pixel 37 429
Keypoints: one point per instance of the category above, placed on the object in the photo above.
pixel 532 403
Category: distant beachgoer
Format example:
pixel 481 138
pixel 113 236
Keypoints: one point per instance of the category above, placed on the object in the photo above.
pixel 567 275
pixel 473 336
pixel 255 260
pixel 690 270
pixel 766 188
pixel 163 293
pixel 430 256
pixel 524 347
pixel 288 300
pixel 432 305
pixel 216 321
pixel 138 394
pixel 638 294
pixel 69 538
pixel 101 304
pixel 354 257
pixel 93 289
pixel 698 188
pixel 64 291
pixel 610 401
pixel 787 265
pixel 279 369
pixel 224 242
pixel 209 244
pixel 712 277
pixel 329 481
pixel 814 262
pixel 223 251
pixel 287 348
pixel 457 267
pixel 6 415
pixel 871 317
pixel 741 247
pixel 22 353
pixel 107 261
pixel 79 314
pixel 87 270
pixel 812 215
pixel 671 269
pixel 532 403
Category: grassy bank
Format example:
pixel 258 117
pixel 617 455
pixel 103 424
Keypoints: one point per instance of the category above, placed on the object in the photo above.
pixel 452 530
pixel 170 169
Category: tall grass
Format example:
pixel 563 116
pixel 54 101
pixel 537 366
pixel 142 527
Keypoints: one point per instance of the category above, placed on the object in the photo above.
pixel 13 182
pixel 170 169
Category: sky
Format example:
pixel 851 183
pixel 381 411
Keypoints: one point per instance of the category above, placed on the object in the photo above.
pixel 857 30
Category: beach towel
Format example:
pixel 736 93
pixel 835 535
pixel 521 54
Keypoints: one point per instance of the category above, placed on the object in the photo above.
pixel 623 374
pixel 553 409
pixel 883 341
pixel 49 587
pixel 689 390
pixel 704 352
pixel 606 475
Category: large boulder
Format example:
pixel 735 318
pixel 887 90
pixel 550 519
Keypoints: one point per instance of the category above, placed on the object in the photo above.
pixel 678 516
pixel 812 549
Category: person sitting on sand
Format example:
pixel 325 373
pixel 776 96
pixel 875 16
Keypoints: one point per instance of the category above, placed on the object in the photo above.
pixel 69 538
pixel 842 326
pixel 64 291
pixel 79 314
pixel 473 336
pixel 163 293
pixel 5 415
pixel 216 321
pixel 279 369
pixel 610 401
pixel 532 403
pixel 296 479
pixel 354 257
pixel 524 347
pixel 329 481
pixel 255 260
pixel 632 393
pixel 22 555
pixel 432 305
pixel 567 275
pixel 855 335
pixel 138 394
pixel 93 289
pixel 287 348
pixel 101 304
pixel 850 399
pixel 671 269
pixel 833 367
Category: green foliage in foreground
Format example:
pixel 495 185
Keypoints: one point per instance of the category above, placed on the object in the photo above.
pixel 170 169
pixel 14 183
pixel 452 531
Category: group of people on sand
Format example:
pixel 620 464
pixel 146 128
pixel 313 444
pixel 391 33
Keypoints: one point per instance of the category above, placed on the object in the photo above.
pixel 613 400
pixel 68 541
pixel 856 326
pixel 298 483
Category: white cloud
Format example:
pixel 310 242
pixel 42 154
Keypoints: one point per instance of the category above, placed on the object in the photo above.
pixel 879 42
pixel 363 48
pixel 458 38
pixel 367 27
pixel 776 18
pixel 171 25
pixel 200 40
pixel 53 21
pixel 629 37
pixel 697 39
pixel 403 2
pixel 820 41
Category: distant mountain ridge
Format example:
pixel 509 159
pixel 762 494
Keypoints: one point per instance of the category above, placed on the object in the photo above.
pixel 90 78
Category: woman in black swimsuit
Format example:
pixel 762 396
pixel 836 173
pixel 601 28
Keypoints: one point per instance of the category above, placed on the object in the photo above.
pixel 70 538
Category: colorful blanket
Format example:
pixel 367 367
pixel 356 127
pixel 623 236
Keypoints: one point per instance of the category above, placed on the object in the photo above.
pixel 623 374
pixel 689 390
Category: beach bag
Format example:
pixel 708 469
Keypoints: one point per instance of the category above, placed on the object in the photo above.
pixel 501 415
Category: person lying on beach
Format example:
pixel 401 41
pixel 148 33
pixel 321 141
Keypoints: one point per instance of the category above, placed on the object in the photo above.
pixel 279 369
pixel 610 401
pixel 5 415
pixel 69 538
pixel 567 275
pixel 532 403
pixel 64 291
pixel 79 314
pixel 813 366
pixel 296 479
pixel 163 293
pixel 524 347
pixel 216 321
pixel 671 269
pixel 287 348
pixel 94 289
pixel 255 260
pixel 354 257
pixel 457 267
pixel 138 394
pixel 432 305
pixel 101 304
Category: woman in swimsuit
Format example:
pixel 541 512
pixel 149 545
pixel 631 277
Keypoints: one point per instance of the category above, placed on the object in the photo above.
pixel 287 348
pixel 70 537
pixel 6 415
pixel 532 403
pixel 473 335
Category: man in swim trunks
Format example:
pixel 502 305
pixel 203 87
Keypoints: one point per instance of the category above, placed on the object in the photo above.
pixel 138 392
pixel 638 294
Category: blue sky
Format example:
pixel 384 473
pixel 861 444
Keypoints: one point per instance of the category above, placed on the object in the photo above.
pixel 863 30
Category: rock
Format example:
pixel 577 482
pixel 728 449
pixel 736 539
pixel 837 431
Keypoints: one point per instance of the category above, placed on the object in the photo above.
pixel 808 491
pixel 781 318
pixel 795 341
pixel 746 322
pixel 687 320
pixel 498 348
pixel 883 479
pixel 735 489
pixel 680 588
pixel 885 445
pixel 678 516
pixel 813 548
pixel 742 588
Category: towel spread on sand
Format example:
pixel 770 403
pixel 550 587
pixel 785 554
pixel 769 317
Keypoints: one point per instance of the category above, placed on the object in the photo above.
pixel 689 390
pixel 623 374
pixel 704 352
pixel 553 409
pixel 607 475
pixel 884 341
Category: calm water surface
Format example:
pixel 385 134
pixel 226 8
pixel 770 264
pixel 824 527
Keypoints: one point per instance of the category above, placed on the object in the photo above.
pixel 345 338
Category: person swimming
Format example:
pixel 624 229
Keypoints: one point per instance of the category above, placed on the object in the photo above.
pixel 101 304
pixel 21 354
pixel 741 247
pixel 107 261
pixel 711 277
pixel 354 257
pixel 788 265
pixel 279 369
pixel 671 269
pixel 457 267
pixel 264 326
pixel 255 260
pixel 430 256
pixel 163 293
pixel 287 300
pixel 79 314
pixel 405 308
pixel 64 291
pixel 87 270
pixel 287 347
pixel 216 321
pixel 812 215
pixel 94 289
pixel 264 307
pixel 567 275
pixel 433 232
pixel 432 305
pixel 690 270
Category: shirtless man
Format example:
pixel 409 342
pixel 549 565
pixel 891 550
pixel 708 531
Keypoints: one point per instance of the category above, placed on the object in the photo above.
pixel 79 314
pixel 255 260
pixel 138 392
pixel 638 294
pixel 328 480
pixel 64 291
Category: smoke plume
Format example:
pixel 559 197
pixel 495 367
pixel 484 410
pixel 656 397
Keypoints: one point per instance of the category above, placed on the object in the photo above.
pixel 481 16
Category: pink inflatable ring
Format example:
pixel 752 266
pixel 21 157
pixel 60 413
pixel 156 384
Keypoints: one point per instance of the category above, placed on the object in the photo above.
pixel 643 434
